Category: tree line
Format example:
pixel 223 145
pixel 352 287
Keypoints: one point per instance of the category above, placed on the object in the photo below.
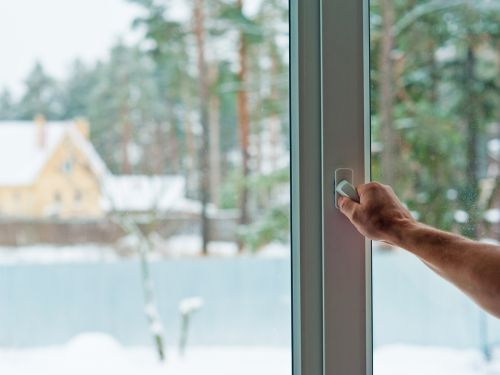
pixel 194 96
pixel 435 69
pixel 206 96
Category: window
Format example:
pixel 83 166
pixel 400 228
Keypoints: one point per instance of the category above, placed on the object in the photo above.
pixel 179 261
pixel 201 117
pixel 57 197
pixel 78 197
pixel 67 166
pixel 435 126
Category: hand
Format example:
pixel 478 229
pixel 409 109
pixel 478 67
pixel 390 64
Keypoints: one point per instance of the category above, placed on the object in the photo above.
pixel 380 215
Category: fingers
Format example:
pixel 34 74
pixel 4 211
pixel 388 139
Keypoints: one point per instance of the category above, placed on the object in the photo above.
pixel 347 206
pixel 362 188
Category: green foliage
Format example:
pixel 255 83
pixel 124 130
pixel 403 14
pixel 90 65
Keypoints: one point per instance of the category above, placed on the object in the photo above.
pixel 273 222
pixel 142 100
pixel 230 189
pixel 8 109
pixel 445 79
pixel 41 97
pixel 273 226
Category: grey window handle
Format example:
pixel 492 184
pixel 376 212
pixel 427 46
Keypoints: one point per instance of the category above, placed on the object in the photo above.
pixel 343 185
pixel 345 189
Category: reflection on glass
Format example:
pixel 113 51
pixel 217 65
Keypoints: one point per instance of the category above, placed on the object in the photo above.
pixel 144 205
pixel 436 130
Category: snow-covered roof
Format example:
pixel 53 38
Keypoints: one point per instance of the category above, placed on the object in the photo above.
pixel 139 193
pixel 22 158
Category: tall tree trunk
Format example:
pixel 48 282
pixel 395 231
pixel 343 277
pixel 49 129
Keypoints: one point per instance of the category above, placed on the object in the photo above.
pixel 199 31
pixel 159 155
pixel 215 153
pixel 470 196
pixel 244 125
pixel 275 121
pixel 126 138
pixel 386 105
pixel 191 159
pixel 173 142
pixel 434 73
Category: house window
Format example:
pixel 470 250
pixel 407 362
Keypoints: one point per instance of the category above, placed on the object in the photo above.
pixel 67 166
pixel 78 197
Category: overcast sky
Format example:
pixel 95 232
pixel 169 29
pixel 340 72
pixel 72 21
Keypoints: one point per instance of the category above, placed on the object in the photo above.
pixel 56 32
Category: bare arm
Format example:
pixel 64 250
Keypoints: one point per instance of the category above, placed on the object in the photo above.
pixel 473 267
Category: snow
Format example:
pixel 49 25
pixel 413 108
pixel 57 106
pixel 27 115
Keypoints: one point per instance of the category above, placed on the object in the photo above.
pixel 190 245
pixel 414 360
pixel 190 305
pixel 275 250
pixel 176 247
pixel 139 193
pixel 492 215
pixel 21 158
pixel 156 328
pixel 100 354
pixel 50 254
pixel 452 194
pixel 461 216
pixel 446 53
pixel 494 148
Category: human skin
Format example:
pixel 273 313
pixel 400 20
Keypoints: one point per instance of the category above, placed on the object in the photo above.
pixel 473 267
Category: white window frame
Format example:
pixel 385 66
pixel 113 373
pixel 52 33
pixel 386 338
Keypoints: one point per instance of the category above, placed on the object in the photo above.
pixel 330 129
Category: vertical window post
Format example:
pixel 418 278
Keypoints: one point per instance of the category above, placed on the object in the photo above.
pixel 331 262
pixel 345 140
pixel 306 196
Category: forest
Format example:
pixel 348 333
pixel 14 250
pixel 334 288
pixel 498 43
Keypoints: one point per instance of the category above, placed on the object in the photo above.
pixel 206 96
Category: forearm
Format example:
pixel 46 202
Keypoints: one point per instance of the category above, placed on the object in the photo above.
pixel 473 267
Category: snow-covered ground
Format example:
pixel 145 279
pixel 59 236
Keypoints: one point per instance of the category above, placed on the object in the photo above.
pixel 415 360
pixel 98 354
pixel 179 246
pixel 50 254
pixel 190 245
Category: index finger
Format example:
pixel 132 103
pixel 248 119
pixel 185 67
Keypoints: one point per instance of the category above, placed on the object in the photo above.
pixel 347 206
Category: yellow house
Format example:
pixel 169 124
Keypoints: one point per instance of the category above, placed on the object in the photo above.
pixel 49 169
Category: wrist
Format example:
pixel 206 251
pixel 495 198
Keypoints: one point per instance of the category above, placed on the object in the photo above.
pixel 401 232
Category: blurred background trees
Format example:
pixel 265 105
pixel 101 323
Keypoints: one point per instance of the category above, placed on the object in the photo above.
pixel 435 95
pixel 204 93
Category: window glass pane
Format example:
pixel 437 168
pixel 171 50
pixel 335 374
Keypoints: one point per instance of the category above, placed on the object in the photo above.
pixel 435 139
pixel 144 187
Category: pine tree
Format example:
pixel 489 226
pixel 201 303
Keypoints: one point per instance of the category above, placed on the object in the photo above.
pixel 41 96
pixel 8 110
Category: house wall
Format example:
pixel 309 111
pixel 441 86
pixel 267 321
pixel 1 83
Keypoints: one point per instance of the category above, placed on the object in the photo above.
pixel 16 200
pixel 66 188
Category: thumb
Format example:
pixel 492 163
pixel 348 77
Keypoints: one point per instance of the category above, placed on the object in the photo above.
pixel 347 206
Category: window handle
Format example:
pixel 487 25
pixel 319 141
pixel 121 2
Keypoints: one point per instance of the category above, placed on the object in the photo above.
pixel 343 185
pixel 345 189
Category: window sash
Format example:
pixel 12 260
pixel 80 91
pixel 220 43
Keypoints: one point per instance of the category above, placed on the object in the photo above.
pixel 330 129
pixel 306 202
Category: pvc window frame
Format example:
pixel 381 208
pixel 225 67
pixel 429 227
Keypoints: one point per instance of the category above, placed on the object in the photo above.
pixel 330 129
